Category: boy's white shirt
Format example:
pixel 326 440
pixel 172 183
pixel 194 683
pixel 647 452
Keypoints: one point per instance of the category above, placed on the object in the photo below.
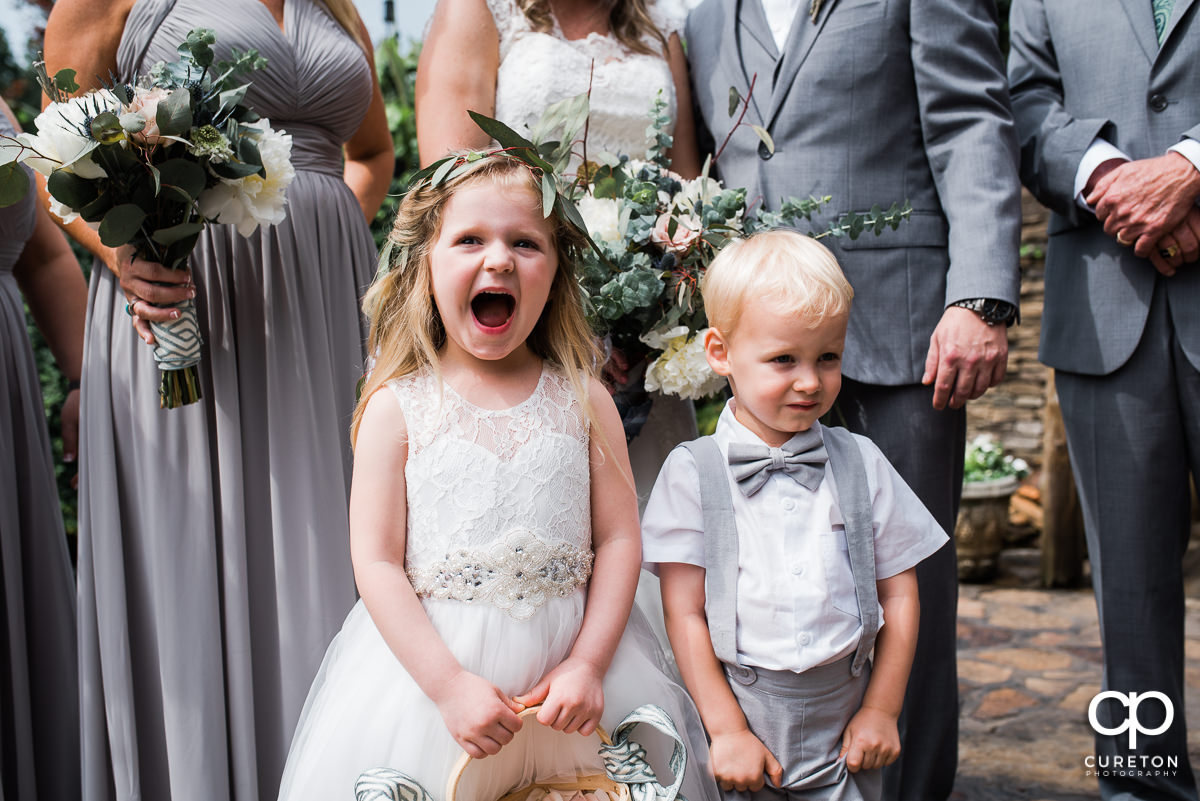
pixel 796 607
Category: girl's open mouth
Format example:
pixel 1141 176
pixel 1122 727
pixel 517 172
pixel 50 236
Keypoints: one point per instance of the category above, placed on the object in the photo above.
pixel 493 308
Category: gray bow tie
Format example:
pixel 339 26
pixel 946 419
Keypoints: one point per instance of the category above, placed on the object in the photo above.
pixel 752 465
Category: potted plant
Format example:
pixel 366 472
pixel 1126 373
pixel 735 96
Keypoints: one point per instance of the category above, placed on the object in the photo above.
pixel 990 477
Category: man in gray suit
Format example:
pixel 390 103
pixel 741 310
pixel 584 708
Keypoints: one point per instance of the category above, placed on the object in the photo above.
pixel 875 101
pixel 1106 95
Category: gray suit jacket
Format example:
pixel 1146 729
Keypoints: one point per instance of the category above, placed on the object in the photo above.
pixel 1082 68
pixel 877 101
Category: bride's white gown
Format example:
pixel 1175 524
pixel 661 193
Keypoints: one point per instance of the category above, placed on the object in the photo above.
pixel 498 547
pixel 538 69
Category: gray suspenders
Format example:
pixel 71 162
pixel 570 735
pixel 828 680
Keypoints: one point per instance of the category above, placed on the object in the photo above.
pixel 721 545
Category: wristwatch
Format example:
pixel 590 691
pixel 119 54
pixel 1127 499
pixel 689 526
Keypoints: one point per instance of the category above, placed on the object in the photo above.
pixel 990 310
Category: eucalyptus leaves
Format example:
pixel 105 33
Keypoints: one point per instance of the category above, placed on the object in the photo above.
pixel 655 233
pixel 152 164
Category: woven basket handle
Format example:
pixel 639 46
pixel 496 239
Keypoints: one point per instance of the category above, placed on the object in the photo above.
pixel 625 760
pixel 386 784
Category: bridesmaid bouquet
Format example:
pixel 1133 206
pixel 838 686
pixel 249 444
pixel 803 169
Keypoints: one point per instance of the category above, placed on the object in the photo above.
pixel 152 164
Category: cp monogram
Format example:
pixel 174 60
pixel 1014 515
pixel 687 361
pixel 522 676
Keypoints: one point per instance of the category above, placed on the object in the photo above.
pixel 1131 701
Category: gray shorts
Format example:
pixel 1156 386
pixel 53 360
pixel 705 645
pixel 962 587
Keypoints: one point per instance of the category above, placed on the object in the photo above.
pixel 800 718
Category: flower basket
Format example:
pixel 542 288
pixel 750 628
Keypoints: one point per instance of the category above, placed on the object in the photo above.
pixel 531 767
pixel 468 772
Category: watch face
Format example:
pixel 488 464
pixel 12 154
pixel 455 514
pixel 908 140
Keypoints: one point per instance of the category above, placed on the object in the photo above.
pixel 990 310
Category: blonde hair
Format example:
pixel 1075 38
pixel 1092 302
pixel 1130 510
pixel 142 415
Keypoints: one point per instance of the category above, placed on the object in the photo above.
pixel 629 20
pixel 406 328
pixel 795 269
pixel 344 13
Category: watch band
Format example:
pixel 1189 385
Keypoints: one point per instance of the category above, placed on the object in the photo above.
pixel 990 310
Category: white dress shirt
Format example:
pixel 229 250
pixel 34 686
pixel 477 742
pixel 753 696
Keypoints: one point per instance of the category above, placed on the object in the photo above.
pixel 780 14
pixel 796 606
pixel 1101 150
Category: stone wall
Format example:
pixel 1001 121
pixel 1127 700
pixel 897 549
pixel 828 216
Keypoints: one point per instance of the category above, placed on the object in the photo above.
pixel 1012 412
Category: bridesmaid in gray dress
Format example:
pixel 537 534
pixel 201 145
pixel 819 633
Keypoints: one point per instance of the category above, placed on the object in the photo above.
pixel 39 693
pixel 213 559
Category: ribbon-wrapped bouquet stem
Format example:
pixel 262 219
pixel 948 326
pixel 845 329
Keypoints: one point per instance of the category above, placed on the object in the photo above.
pixel 151 164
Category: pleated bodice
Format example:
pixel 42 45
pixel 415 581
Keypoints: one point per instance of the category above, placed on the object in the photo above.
pixel 316 84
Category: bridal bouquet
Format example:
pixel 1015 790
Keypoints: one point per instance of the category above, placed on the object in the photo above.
pixel 655 233
pixel 152 164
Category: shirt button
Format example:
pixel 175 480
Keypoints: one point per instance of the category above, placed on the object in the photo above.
pixel 805 638
pixel 788 504
pixel 1158 102
pixel 798 569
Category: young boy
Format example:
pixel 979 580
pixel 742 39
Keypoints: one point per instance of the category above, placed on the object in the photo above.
pixel 783 546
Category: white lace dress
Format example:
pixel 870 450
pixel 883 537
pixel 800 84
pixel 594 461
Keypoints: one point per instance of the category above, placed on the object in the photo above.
pixel 499 549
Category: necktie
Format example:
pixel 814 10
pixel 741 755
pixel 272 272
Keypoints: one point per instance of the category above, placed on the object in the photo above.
pixel 753 464
pixel 1162 13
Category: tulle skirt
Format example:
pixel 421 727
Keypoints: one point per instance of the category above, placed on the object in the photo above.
pixel 365 711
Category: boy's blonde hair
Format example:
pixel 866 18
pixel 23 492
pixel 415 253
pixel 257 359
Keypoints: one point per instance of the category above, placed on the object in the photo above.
pixel 796 270
pixel 406 329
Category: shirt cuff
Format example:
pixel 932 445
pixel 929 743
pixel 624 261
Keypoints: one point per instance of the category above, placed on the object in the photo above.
pixel 1098 152
pixel 1189 149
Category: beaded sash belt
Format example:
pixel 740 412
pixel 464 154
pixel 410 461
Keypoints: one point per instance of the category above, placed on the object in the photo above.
pixel 518 574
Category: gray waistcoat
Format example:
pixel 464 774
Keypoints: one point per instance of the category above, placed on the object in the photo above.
pixel 721 542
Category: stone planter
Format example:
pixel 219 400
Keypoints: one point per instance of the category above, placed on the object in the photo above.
pixel 982 522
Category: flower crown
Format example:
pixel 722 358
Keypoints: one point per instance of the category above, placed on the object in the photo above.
pixel 512 144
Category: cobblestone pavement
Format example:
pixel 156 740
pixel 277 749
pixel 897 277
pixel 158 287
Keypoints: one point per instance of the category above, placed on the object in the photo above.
pixel 1028 665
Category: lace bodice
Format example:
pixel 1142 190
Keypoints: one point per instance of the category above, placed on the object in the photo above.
pixel 538 69
pixel 499 501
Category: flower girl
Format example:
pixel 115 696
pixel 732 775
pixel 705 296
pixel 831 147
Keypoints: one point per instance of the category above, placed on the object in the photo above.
pixel 493 520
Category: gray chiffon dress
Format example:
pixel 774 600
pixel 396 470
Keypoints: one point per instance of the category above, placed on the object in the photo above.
pixel 39 695
pixel 214 559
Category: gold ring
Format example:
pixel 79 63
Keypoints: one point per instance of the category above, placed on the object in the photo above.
pixel 1122 241
pixel 1169 252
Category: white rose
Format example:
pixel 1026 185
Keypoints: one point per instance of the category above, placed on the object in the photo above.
pixel 682 369
pixel 697 189
pixel 63 140
pixel 254 200
pixel 602 216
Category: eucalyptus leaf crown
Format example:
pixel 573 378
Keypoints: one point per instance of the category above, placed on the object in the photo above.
pixel 512 145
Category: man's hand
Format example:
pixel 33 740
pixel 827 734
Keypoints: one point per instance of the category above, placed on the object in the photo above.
pixel 1180 247
pixel 1140 202
pixel 966 357
pixel 741 762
